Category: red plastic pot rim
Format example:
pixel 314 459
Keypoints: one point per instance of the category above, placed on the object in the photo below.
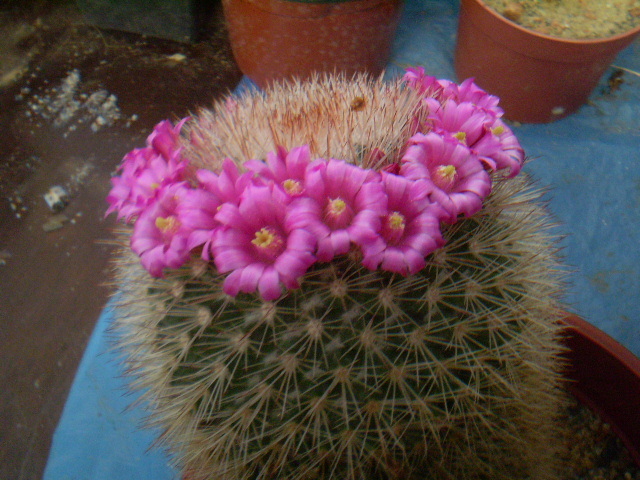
pixel 305 9
pixel 538 45
pixel 605 376
pixel 604 342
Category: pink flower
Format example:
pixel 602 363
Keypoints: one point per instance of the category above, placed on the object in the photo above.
pixel 465 121
pixel 196 212
pixel 200 207
pixel 443 90
pixel 285 169
pixel 144 171
pixel 471 115
pixel 228 185
pixel 459 178
pixel 468 91
pixel 159 238
pixel 508 154
pixel 344 204
pixel 121 197
pixel 417 79
pixel 156 174
pixel 259 244
pixel 410 230
pixel 482 131
pixel 165 139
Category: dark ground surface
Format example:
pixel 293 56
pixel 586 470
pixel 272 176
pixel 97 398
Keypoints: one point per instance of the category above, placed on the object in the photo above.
pixel 56 73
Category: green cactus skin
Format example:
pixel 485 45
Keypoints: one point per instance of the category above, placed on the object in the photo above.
pixel 452 373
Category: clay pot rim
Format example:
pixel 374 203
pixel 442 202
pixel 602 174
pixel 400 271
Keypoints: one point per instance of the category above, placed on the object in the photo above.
pixel 603 341
pixel 306 9
pixel 602 348
pixel 539 45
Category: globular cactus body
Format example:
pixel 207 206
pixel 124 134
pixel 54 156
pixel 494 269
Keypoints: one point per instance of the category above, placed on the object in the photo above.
pixel 448 373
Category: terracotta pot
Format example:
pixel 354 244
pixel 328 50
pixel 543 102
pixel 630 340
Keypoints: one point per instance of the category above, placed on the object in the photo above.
pixel 538 78
pixel 278 39
pixel 605 376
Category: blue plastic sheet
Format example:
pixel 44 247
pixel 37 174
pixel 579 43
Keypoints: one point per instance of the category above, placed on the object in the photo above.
pixel 99 435
pixel 591 163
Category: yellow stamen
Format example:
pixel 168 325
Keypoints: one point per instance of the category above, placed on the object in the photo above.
pixel 396 221
pixel 265 238
pixel 447 172
pixel 499 130
pixel 292 187
pixel 155 186
pixel 461 136
pixel 167 224
pixel 337 206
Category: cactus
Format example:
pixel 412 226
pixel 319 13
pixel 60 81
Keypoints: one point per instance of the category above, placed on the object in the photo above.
pixel 448 373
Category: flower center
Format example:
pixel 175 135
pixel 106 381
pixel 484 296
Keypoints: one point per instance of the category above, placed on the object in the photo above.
pixel 167 225
pixel 445 175
pixel 461 136
pixel 396 221
pixel 338 213
pixel 499 130
pixel 292 187
pixel 268 241
pixel 393 227
pixel 336 207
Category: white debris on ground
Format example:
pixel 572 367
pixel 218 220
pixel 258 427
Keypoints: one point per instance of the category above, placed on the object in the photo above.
pixel 56 222
pixel 80 174
pixel 57 198
pixel 4 256
pixel 177 57
pixel 17 204
pixel 66 106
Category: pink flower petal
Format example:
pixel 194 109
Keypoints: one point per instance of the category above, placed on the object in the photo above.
pixel 277 163
pixel 365 227
pixel 231 284
pixel 229 215
pixel 395 260
pixel 227 249
pixel 298 160
pixel 340 241
pixel 228 185
pixel 371 196
pixel 200 237
pixel 250 277
pixel 468 203
pixel 269 284
pixel 301 240
pixel 293 265
pixel 153 261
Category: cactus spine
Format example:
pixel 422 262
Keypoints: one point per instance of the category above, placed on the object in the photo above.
pixel 358 374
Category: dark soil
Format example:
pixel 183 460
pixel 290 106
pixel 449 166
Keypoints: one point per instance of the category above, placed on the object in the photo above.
pixel 73 100
pixel 594 451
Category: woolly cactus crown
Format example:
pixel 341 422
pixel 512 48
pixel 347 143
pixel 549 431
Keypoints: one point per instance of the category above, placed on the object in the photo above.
pixel 345 283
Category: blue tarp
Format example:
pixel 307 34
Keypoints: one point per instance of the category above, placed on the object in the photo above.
pixel 589 160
